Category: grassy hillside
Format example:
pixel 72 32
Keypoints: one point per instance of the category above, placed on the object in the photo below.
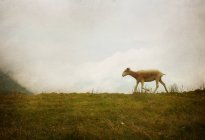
pixel 102 116
pixel 8 85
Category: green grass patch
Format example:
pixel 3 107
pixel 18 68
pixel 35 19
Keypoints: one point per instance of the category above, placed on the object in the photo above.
pixel 102 116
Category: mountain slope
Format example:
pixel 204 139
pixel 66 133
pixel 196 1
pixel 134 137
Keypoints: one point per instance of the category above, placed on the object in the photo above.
pixel 8 85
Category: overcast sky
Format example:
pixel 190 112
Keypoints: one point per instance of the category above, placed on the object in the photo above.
pixel 84 45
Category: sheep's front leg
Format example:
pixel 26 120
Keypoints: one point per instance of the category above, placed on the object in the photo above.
pixel 135 90
pixel 142 86
pixel 157 85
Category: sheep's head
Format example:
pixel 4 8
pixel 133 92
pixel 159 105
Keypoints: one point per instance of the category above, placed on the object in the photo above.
pixel 126 72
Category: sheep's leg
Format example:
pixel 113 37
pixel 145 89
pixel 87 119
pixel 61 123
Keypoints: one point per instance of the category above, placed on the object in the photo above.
pixel 163 85
pixel 157 85
pixel 135 90
pixel 142 86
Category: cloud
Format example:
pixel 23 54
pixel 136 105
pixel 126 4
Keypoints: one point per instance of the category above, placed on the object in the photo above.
pixel 105 75
pixel 84 45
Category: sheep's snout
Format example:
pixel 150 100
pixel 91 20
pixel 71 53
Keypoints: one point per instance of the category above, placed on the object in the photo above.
pixel 124 74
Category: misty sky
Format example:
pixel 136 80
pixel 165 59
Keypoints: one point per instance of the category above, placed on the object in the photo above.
pixel 84 45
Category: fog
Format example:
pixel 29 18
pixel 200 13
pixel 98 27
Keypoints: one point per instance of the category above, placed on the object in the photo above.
pixel 84 45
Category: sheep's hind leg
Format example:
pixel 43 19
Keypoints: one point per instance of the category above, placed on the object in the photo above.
pixel 157 85
pixel 163 85
pixel 142 86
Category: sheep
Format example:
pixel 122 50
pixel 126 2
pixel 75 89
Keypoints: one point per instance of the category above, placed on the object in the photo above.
pixel 147 90
pixel 145 76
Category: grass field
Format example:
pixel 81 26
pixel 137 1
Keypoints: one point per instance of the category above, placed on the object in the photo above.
pixel 102 116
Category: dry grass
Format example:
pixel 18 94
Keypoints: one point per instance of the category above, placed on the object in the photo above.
pixel 102 116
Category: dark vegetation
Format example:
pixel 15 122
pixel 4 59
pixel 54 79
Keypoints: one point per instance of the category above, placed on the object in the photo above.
pixel 8 85
pixel 103 116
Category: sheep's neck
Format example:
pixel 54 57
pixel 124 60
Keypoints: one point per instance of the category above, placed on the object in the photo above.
pixel 133 74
